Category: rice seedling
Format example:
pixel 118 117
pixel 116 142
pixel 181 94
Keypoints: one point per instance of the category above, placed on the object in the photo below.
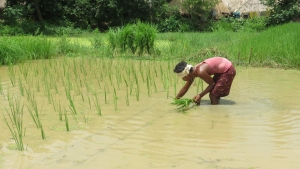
pixel 90 104
pixel 1 88
pixel 198 85
pixel 137 93
pixel 154 84
pixel 34 116
pixel 105 95
pixel 148 86
pixel 86 117
pixel 175 86
pixel 24 70
pixel 21 87
pixel 71 102
pixel 155 71
pixel 166 84
pixel 15 121
pixel 110 79
pixel 38 86
pixel 115 99
pixel 66 121
pixel 82 97
pixel 126 98
pixel 97 105
pixel 98 82
pixel 142 71
pixel 60 111
pixel 183 104
pixel 49 95
pixel 42 131
pixel 11 75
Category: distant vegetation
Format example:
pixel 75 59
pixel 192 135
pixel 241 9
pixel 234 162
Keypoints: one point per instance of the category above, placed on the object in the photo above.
pixel 36 17
pixel 275 47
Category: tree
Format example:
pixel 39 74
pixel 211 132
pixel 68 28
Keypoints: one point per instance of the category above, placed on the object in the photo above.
pixel 37 9
pixel 282 11
pixel 202 8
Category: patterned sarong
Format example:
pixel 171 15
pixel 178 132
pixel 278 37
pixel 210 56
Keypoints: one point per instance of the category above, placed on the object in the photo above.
pixel 223 82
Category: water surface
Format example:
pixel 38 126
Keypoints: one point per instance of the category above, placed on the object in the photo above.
pixel 256 126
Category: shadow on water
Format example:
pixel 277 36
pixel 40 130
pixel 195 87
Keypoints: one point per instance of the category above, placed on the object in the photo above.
pixel 221 102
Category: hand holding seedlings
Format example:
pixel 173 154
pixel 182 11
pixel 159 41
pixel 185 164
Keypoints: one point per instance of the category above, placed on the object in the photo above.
pixel 197 99
pixel 182 104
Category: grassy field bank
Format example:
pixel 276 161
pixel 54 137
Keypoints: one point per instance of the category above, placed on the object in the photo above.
pixel 275 47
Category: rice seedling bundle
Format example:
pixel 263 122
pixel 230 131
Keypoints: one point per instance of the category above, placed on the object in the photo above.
pixel 183 104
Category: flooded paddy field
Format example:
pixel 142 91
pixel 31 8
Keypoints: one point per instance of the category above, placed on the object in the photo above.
pixel 88 113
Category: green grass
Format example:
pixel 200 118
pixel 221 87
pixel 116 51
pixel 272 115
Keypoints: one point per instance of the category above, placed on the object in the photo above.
pixel 274 47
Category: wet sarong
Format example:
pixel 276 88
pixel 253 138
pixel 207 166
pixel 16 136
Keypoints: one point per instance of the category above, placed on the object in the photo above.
pixel 223 82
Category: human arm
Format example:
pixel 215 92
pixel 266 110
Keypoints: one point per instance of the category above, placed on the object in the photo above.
pixel 185 88
pixel 203 74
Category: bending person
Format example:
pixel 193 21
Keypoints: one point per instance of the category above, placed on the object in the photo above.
pixel 218 86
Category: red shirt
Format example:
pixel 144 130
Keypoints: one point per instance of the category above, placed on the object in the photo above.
pixel 217 65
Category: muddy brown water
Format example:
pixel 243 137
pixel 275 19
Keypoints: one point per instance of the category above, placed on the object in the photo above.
pixel 256 126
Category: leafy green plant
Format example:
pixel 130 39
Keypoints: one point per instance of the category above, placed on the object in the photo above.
pixel 282 11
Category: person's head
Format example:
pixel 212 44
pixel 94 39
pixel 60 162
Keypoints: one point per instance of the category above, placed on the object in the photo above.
pixel 183 69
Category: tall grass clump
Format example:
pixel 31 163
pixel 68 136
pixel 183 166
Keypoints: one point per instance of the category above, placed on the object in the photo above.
pixel 136 38
pixel 20 48
pixel 96 40
pixel 39 48
pixel 66 46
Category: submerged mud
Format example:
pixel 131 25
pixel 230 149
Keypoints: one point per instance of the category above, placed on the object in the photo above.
pixel 124 118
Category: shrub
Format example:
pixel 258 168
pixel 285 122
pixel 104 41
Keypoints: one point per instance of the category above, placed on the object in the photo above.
pixel 134 37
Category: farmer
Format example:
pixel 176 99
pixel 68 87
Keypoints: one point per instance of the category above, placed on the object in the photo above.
pixel 218 85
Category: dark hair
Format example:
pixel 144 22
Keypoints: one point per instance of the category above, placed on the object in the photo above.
pixel 180 67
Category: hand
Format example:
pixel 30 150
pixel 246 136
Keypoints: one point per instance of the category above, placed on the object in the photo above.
pixel 197 99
